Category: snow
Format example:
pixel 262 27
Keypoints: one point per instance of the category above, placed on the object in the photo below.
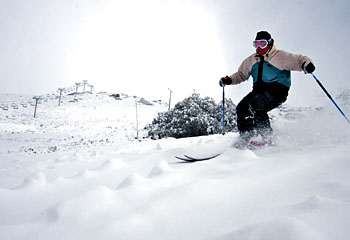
pixel 78 172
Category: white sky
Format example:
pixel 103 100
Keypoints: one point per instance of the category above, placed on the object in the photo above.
pixel 145 47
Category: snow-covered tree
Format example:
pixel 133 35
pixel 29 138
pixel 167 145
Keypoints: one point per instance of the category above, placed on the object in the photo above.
pixel 194 116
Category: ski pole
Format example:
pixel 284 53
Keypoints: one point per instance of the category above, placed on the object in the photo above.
pixel 223 110
pixel 330 97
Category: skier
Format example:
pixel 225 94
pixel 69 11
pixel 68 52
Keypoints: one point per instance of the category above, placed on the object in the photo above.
pixel 270 69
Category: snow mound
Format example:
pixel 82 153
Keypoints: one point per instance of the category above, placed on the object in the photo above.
pixel 105 166
pixel 82 207
pixel 285 228
pixel 85 174
pixel 312 203
pixel 161 168
pixel 133 179
pixel 318 204
pixel 110 164
pixel 49 215
pixel 36 180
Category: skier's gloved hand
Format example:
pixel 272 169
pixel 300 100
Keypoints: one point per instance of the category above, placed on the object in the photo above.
pixel 225 81
pixel 308 67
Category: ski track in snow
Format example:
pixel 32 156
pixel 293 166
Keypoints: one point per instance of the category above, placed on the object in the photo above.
pixel 122 188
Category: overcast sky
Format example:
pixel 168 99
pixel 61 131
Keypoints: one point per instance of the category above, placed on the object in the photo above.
pixel 142 47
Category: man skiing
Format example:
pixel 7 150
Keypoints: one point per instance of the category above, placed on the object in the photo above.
pixel 270 69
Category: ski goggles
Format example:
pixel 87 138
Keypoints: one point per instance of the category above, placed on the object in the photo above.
pixel 260 43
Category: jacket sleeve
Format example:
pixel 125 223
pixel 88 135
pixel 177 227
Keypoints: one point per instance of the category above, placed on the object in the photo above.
pixel 289 61
pixel 244 70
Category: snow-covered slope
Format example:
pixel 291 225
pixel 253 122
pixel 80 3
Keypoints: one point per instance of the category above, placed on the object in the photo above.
pixel 77 172
pixel 80 121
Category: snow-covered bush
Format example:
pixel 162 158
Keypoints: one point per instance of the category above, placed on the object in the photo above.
pixel 194 116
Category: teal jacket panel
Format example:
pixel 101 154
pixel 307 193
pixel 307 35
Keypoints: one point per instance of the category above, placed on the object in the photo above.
pixel 271 74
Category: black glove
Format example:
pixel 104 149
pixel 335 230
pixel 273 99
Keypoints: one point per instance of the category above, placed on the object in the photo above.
pixel 225 81
pixel 308 67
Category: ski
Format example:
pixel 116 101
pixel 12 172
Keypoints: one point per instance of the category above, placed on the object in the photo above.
pixel 193 159
pixel 254 145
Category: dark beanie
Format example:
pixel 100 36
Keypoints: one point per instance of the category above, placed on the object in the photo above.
pixel 263 35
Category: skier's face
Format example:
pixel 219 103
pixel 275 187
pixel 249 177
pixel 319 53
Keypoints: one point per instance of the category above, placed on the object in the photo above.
pixel 262 51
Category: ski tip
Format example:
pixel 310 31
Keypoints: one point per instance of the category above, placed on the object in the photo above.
pixel 184 159
pixel 193 159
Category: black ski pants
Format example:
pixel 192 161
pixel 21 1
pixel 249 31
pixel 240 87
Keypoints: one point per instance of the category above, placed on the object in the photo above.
pixel 252 112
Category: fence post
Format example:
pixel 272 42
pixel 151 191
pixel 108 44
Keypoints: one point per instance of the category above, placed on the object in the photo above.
pixel 137 122
pixel 170 98
pixel 36 104
pixel 59 101
pixel 84 82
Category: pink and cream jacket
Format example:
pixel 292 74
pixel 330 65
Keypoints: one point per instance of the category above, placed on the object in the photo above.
pixel 276 68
